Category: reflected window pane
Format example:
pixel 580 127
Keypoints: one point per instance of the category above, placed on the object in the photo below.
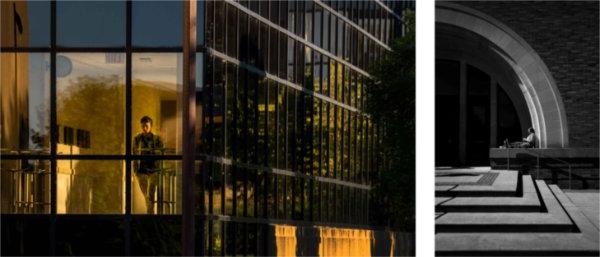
pixel 200 101
pixel 90 103
pixel 25 186
pixel 25 96
pixel 26 23
pixel 90 187
pixel 157 192
pixel 157 23
pixel 90 23
pixel 156 108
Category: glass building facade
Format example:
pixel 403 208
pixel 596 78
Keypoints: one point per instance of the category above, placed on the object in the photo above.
pixel 281 133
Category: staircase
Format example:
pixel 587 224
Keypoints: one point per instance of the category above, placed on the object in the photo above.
pixel 480 211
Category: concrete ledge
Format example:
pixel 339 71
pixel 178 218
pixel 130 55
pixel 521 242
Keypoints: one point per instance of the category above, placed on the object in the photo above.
pixel 554 220
pixel 529 202
pixel 548 152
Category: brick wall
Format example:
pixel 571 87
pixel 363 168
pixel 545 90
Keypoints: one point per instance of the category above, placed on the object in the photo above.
pixel 565 36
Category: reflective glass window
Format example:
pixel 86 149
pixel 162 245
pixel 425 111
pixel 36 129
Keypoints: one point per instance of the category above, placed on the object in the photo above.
pixel 262 129
pixel 231 109
pixel 253 43
pixel 243 37
pixel 308 69
pixel 250 194
pixel 291 16
pixel 340 38
pixel 281 126
pixel 318 23
pixel 331 126
pixel 240 114
pixel 316 72
pixel 219 26
pixel 282 55
pixel 325 76
pixel 283 14
pixel 90 187
pixel 326 30
pixel 26 24
pixel 215 240
pixel 240 191
pixel 274 11
pixel 200 22
pixel 324 138
pixel 281 196
pixel 229 191
pixel 263 49
pixel 291 128
pixel 90 23
pixel 308 21
pixel 209 23
pixel 217 121
pixel 315 134
pixel 25 186
pixel 251 118
pixel 263 9
pixel 298 198
pixel 157 23
pixel 299 15
pixel 273 49
pixel 157 192
pixel 271 110
pixel 215 187
pixel 290 63
pixel 200 79
pixel 271 187
pixel 25 81
pixel 91 98
pixel 261 194
pixel 232 31
pixel 156 103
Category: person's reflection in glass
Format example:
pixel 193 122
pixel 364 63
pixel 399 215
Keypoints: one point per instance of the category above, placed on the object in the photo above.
pixel 147 143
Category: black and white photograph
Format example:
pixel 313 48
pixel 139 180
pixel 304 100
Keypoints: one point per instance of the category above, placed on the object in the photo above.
pixel 516 128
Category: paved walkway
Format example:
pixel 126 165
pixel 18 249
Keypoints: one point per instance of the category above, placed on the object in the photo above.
pixel 588 201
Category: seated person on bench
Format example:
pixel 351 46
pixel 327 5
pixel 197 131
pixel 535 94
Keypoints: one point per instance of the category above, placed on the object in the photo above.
pixel 528 142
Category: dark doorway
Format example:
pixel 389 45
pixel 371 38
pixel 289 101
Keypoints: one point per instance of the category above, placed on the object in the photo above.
pixel 478 116
pixel 447 101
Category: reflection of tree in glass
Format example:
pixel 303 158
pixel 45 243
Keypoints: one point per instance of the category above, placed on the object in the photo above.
pixel 96 105
pixel 391 102
pixel 39 136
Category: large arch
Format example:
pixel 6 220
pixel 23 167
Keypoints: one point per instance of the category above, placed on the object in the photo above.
pixel 453 43
pixel 537 85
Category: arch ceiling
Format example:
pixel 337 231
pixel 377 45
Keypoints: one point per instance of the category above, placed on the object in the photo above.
pixel 535 81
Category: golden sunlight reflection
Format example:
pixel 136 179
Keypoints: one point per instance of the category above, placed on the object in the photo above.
pixel 285 240
pixel 331 241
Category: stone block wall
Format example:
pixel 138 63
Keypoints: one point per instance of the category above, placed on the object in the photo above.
pixel 565 35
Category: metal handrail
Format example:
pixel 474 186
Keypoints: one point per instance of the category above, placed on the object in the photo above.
pixel 537 155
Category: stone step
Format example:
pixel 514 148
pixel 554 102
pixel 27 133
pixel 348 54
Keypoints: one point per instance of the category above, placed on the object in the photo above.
pixel 582 242
pixel 514 244
pixel 528 202
pixel 486 183
pixel 553 218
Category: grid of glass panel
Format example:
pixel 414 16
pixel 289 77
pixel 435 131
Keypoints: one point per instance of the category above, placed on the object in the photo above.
pixel 281 132
pixel 293 111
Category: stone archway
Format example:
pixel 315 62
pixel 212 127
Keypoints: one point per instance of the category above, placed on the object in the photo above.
pixel 537 85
